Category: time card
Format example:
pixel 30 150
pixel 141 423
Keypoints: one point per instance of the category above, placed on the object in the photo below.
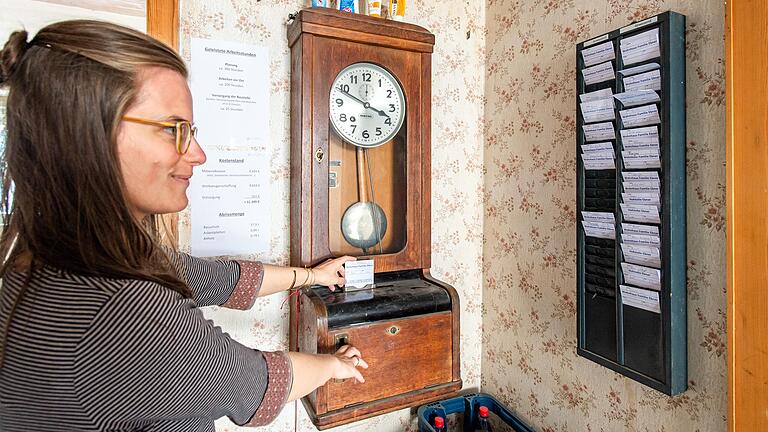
pixel 359 274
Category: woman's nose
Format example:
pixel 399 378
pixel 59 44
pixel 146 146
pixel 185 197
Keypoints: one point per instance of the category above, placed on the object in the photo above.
pixel 195 155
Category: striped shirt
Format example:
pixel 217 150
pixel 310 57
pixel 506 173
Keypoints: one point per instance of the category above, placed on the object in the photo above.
pixel 100 354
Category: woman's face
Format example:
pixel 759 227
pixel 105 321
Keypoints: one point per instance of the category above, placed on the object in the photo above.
pixel 156 176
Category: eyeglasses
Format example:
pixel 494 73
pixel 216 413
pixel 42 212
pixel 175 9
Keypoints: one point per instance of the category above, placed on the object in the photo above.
pixel 182 130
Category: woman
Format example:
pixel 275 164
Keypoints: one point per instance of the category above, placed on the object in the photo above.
pixel 101 326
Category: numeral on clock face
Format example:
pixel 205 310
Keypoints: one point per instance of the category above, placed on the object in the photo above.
pixel 367 105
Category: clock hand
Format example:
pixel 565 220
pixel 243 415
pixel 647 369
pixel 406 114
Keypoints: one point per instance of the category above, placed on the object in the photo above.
pixel 379 112
pixel 365 104
pixel 351 96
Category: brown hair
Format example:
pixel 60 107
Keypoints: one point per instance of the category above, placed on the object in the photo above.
pixel 63 197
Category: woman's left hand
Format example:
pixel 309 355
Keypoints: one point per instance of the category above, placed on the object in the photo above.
pixel 331 272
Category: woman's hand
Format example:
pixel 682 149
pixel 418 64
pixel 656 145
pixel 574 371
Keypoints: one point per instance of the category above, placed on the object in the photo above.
pixel 331 272
pixel 310 371
pixel 349 359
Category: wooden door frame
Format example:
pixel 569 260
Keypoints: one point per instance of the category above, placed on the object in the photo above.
pixel 163 24
pixel 163 21
pixel 747 213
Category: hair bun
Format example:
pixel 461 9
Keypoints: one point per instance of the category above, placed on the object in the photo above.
pixel 12 53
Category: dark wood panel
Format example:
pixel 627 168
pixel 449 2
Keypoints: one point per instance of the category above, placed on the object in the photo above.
pixel 455 322
pixel 423 344
pixel 361 28
pixel 425 135
pixel 390 404
pixel 331 56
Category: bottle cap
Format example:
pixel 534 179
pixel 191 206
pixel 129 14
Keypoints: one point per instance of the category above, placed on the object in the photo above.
pixel 483 411
pixel 439 422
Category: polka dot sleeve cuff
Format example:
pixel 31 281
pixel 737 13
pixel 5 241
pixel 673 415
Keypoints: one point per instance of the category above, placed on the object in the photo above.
pixel 278 386
pixel 247 288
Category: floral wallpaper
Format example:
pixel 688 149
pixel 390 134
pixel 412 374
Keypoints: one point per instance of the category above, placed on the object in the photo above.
pixel 529 306
pixel 503 216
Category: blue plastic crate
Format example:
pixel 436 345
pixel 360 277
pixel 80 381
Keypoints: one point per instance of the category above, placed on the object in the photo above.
pixel 469 405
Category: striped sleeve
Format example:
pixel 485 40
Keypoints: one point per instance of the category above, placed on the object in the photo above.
pixel 151 357
pixel 232 284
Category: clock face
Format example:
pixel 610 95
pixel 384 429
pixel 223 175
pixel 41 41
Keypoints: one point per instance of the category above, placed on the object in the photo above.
pixel 367 105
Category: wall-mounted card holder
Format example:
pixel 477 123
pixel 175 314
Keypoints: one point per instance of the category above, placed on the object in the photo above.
pixel 631 201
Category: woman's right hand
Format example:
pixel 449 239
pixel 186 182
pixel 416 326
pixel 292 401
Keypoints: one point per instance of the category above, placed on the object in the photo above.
pixel 348 360
pixel 310 371
pixel 331 272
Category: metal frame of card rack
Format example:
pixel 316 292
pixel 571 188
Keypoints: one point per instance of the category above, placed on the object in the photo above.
pixel 639 343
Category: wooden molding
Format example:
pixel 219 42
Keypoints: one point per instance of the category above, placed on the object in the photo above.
pixel 163 21
pixel 163 24
pixel 747 213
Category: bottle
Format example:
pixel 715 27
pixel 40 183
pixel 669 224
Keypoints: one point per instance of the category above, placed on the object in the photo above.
pixel 347 5
pixel 396 10
pixel 482 421
pixel 374 8
pixel 439 424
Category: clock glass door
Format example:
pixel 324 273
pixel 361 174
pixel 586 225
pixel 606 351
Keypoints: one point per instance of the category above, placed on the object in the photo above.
pixel 366 197
pixel 367 163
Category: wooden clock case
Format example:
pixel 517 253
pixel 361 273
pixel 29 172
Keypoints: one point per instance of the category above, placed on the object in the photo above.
pixel 407 327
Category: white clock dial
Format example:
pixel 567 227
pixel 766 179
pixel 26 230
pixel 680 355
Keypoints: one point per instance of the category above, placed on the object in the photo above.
pixel 367 105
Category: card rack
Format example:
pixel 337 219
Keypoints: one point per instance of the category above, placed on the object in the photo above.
pixel 631 202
